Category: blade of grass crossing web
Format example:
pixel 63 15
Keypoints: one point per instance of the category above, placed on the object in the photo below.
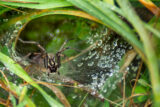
pixel 152 61
pixel 109 19
pixel 37 4
pixel 15 68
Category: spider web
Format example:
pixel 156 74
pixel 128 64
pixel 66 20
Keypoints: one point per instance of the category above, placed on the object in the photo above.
pixel 99 65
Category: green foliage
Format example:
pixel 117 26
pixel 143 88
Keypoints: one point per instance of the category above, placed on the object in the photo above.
pixel 4 50
pixel 141 90
pixel 22 92
pixel 107 13
pixel 106 104
pixel 3 10
pixel 38 4
pixel 143 83
pixel 18 70
pixel 109 18
pixel 13 100
pixel 109 1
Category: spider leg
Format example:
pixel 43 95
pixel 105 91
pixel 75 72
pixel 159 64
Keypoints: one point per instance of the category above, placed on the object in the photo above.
pixel 46 61
pixel 58 56
pixel 62 47
pixel 35 56
pixel 73 49
pixel 33 42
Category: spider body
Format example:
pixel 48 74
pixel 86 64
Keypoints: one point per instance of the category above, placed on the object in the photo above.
pixel 50 63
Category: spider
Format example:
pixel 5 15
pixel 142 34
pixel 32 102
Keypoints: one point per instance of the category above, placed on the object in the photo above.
pixel 55 62
pixel 51 63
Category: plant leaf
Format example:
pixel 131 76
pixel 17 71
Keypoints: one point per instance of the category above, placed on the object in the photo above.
pixel 151 6
pixel 109 18
pixel 37 4
pixel 18 70
pixel 57 92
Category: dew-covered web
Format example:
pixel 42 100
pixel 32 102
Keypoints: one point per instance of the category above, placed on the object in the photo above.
pixel 95 67
pixel 8 39
pixel 8 47
pixel 100 62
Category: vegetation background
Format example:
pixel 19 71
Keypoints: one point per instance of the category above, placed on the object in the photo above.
pixel 136 21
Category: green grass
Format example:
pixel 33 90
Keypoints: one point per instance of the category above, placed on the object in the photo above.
pixel 140 35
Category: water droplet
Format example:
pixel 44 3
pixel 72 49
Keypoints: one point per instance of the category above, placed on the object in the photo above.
pixel 111 59
pixel 94 77
pixel 118 50
pixel 18 25
pixel 74 96
pixel 90 53
pixel 15 31
pixel 74 60
pixel 101 64
pixel 80 64
pixel 5 20
pixel 90 64
pixel 108 38
pixel 105 31
pixel 123 51
pixel 115 43
pixel 80 85
pixel 130 47
pixel 86 58
pixel 99 42
pixel 113 86
pixel 96 35
pixel 93 93
pixel 104 51
pixel 90 41
pixel 111 74
pixel 97 56
pixel 57 31
pixel 105 90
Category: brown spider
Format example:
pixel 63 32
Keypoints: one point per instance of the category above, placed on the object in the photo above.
pixel 53 63
pixel 49 63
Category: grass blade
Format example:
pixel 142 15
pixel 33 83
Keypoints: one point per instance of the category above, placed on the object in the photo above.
pixel 18 70
pixel 37 4
pixel 152 29
pixel 151 62
pixel 109 18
